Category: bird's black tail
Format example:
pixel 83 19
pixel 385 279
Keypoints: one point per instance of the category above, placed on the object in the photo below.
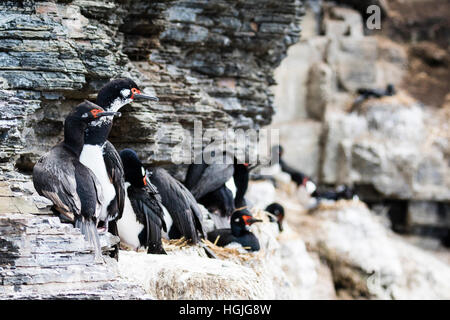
pixel 154 239
pixel 89 230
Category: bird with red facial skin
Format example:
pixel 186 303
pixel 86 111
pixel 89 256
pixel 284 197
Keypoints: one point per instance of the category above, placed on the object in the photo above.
pixel 73 188
pixel 239 232
pixel 102 157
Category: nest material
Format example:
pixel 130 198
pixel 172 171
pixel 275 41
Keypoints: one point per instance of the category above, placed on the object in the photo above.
pixel 220 252
pixel 229 253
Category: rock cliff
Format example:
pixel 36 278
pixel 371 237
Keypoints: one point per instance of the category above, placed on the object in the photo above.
pixel 209 61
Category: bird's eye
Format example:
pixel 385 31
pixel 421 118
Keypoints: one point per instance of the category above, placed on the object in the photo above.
pixel 135 91
pixel 236 220
pixel 95 112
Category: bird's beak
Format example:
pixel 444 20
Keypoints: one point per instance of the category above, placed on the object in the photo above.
pixel 108 113
pixel 253 220
pixel 146 181
pixel 140 96
pixel 280 226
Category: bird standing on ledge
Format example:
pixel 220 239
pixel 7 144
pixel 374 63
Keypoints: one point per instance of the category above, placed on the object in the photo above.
pixel 73 188
pixel 102 157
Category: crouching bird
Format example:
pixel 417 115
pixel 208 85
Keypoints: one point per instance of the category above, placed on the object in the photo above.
pixel 143 214
pixel 73 188
pixel 240 223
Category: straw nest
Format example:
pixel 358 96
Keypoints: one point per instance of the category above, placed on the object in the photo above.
pixel 220 252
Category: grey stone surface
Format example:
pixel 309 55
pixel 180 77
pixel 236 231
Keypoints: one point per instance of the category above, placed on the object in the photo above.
pixel 394 145
pixel 42 258
pixel 210 61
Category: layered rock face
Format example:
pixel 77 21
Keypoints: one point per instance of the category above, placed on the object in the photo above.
pixel 41 258
pixel 209 61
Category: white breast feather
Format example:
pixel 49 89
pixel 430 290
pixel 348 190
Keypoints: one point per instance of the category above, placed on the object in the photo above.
pixel 92 157
pixel 230 185
pixel 168 220
pixel 128 226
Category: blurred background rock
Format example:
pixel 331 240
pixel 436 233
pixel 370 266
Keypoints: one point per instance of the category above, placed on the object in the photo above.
pixel 394 150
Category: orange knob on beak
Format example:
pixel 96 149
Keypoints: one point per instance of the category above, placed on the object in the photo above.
pixel 95 112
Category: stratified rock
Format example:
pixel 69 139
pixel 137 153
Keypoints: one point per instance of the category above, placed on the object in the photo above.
pixel 41 258
pixel 207 61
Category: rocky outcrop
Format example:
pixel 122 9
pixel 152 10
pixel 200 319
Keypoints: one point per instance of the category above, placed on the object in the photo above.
pixel 207 61
pixel 41 258
pixel 282 269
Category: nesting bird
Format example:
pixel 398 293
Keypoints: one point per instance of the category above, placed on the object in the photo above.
pixel 239 232
pixel 185 216
pixel 298 177
pixel 73 188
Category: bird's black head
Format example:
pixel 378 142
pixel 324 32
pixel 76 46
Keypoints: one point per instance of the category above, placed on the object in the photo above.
pixel 134 170
pixel 240 222
pixel 88 111
pixel 118 93
pixel 390 89
pixel 77 122
pixel 278 211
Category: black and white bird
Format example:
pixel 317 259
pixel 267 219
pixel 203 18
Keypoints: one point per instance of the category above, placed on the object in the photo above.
pixel 241 176
pixel 102 157
pixel 73 188
pixel 206 181
pixel 219 186
pixel 185 216
pixel 239 232
pixel 277 214
pixel 143 214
